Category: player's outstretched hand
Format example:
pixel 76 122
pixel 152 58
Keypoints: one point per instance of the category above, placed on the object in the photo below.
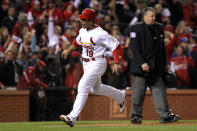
pixel 116 69
pixel 65 54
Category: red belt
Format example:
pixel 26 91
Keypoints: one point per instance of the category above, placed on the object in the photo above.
pixel 89 59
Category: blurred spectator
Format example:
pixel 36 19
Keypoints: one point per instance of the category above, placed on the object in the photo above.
pixel 140 4
pixel 126 11
pixel 100 11
pixel 76 25
pixel 42 34
pixel 25 50
pixel 182 30
pixel 69 10
pixel 67 38
pixel 12 45
pixel 175 7
pixel 2 57
pixel 190 13
pixel 54 32
pixel 3 9
pixel 34 59
pixel 10 20
pixel 112 8
pixel 107 26
pixel 20 28
pixel 23 6
pixel 167 24
pixel 7 43
pixel 118 35
pixel 158 11
pixel 170 42
pixel 32 79
pixel 60 4
pixel 75 16
pixel 57 14
pixel 5 38
pixel 44 4
pixel 10 71
pixel 34 13
pixel 43 42
pixel 162 14
pixel 74 72
pixel 180 65
pixel 184 43
pixel 53 66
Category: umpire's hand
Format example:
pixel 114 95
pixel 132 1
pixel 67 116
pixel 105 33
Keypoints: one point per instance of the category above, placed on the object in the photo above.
pixel 116 68
pixel 145 67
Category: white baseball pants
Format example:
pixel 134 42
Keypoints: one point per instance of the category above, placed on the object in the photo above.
pixel 91 81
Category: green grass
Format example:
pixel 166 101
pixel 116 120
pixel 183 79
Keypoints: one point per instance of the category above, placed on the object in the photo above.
pixel 182 125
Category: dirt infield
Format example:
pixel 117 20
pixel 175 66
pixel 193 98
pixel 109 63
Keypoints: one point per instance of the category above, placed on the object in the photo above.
pixel 144 124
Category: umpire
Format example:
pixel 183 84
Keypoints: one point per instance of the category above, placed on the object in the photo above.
pixel 148 67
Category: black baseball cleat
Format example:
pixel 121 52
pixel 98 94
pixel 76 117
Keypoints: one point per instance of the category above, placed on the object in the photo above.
pixel 67 120
pixel 136 120
pixel 171 118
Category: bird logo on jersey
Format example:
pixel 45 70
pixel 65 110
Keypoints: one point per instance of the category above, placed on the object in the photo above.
pixel 91 42
pixel 89 45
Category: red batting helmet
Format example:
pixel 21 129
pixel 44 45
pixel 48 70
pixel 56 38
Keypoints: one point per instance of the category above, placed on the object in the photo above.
pixel 41 63
pixel 88 14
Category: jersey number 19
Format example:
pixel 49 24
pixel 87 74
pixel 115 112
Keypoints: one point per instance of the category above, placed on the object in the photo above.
pixel 89 53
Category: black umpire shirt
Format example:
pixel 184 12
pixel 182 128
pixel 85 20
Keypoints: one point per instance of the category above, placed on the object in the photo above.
pixel 147 46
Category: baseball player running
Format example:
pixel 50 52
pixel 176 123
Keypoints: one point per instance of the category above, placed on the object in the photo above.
pixel 94 41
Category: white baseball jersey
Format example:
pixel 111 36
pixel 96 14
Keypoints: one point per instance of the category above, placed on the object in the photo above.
pixel 95 41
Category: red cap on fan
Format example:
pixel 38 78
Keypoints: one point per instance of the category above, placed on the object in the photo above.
pixel 5 2
pixel 88 14
pixel 41 63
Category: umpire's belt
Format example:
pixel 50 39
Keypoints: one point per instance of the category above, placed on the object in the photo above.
pixel 91 59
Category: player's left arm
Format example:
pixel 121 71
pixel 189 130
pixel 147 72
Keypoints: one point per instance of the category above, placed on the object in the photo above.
pixel 113 44
pixel 116 67
pixel 75 45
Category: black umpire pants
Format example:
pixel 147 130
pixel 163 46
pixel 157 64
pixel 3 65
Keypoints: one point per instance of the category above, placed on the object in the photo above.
pixel 158 91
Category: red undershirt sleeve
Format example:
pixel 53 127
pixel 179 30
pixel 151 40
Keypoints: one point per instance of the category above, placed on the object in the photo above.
pixel 116 55
pixel 76 44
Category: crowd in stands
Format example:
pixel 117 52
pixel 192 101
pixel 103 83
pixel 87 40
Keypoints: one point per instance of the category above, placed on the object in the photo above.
pixel 39 30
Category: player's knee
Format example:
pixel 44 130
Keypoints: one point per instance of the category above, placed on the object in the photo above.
pixel 83 92
pixel 96 92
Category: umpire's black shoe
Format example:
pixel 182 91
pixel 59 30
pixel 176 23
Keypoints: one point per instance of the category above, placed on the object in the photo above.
pixel 136 120
pixel 171 118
